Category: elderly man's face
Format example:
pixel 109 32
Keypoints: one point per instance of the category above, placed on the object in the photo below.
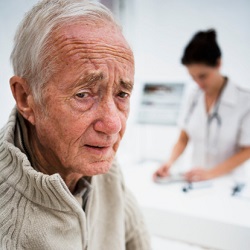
pixel 87 100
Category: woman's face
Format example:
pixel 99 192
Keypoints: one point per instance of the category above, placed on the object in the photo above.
pixel 207 77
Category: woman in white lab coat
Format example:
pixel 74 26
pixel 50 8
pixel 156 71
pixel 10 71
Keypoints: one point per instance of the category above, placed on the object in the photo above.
pixel 217 116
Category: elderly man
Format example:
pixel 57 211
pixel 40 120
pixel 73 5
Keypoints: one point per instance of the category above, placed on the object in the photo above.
pixel 60 187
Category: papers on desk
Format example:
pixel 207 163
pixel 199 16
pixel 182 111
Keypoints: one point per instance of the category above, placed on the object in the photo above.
pixel 170 179
pixel 196 185
pixel 187 186
pixel 238 189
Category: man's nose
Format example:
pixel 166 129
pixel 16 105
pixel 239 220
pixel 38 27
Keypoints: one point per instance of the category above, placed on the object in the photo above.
pixel 109 118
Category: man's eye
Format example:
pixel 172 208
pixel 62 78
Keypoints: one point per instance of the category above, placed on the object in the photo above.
pixel 82 95
pixel 123 94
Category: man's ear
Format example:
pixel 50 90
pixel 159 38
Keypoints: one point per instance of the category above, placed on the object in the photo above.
pixel 24 99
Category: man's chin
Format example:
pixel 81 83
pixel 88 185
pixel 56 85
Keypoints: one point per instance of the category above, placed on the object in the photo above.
pixel 99 167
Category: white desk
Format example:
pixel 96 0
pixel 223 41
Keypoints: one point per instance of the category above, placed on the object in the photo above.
pixel 208 217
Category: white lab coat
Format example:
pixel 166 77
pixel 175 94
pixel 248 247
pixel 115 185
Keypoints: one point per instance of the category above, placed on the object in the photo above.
pixel 215 142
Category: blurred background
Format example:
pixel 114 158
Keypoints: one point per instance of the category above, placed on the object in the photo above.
pixel 157 31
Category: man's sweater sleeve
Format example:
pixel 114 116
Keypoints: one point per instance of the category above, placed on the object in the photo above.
pixel 137 237
pixel 136 233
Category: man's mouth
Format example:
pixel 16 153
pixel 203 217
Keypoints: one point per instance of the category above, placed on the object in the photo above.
pixel 99 150
pixel 97 147
pixel 103 149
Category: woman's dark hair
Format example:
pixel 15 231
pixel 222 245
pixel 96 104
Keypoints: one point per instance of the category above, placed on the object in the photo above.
pixel 202 48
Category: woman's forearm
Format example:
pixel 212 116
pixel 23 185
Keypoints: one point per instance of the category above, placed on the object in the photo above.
pixel 178 148
pixel 232 162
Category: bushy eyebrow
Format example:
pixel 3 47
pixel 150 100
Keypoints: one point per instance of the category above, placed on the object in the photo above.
pixel 88 81
pixel 127 85
pixel 91 79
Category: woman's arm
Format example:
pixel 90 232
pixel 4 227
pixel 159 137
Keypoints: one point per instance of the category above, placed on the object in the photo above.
pixel 177 150
pixel 199 174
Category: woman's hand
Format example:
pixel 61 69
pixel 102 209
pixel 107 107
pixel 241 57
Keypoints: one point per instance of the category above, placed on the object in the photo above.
pixel 199 174
pixel 163 171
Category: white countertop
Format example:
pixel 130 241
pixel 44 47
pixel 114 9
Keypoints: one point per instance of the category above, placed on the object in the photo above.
pixel 209 217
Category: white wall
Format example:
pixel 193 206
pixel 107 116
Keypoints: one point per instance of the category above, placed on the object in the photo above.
pixel 11 12
pixel 158 31
pixel 161 29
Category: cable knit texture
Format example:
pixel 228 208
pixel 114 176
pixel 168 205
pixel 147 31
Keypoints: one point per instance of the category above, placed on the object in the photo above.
pixel 38 212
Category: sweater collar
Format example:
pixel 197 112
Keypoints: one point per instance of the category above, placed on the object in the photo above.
pixel 45 190
pixel 22 141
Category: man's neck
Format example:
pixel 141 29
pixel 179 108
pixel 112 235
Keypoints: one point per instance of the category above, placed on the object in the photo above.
pixel 34 151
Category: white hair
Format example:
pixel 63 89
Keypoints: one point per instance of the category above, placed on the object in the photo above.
pixel 30 50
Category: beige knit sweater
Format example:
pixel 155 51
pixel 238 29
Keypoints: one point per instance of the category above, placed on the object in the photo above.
pixel 37 211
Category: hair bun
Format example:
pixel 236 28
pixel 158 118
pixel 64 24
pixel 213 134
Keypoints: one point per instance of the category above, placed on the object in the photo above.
pixel 203 48
pixel 209 35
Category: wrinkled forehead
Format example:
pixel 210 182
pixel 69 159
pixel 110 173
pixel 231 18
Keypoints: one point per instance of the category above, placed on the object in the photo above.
pixel 90 39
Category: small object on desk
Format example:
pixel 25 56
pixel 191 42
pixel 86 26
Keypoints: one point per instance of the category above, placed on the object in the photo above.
pixel 170 179
pixel 196 185
pixel 237 188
